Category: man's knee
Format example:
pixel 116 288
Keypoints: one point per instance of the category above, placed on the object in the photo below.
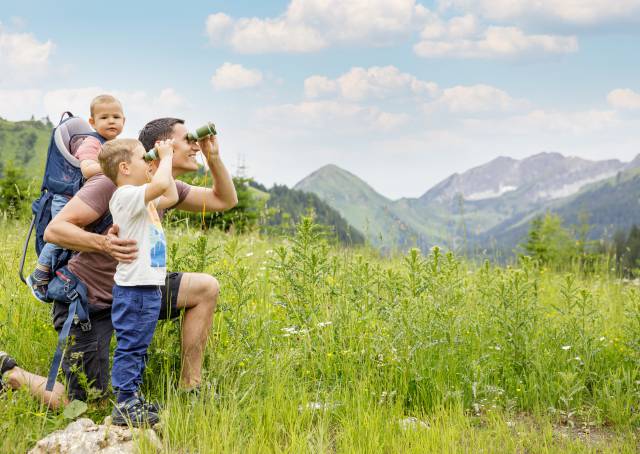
pixel 211 289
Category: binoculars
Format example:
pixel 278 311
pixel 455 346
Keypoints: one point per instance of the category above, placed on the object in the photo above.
pixel 207 130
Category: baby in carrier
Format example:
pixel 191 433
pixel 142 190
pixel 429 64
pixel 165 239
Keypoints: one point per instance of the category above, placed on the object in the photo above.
pixel 107 120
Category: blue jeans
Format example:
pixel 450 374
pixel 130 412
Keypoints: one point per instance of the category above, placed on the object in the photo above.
pixel 50 251
pixel 134 314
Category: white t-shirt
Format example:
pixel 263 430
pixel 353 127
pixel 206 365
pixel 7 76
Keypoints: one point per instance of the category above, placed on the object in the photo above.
pixel 139 222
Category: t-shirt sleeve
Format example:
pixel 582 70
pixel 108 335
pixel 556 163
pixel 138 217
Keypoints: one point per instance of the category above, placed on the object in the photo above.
pixel 96 192
pixel 89 149
pixel 128 200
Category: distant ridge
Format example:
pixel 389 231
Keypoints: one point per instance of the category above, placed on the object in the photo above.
pixel 479 205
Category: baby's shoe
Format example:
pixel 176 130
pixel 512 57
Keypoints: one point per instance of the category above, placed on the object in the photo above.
pixel 38 285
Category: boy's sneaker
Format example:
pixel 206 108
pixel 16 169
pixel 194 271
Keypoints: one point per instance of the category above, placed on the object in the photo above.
pixel 38 288
pixel 133 412
pixel 151 406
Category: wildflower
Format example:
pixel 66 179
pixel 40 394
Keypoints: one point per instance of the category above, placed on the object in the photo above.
pixel 323 324
pixel 248 254
pixel 412 423
pixel 566 347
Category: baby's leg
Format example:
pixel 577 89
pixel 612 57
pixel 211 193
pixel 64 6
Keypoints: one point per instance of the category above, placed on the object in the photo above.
pixel 39 279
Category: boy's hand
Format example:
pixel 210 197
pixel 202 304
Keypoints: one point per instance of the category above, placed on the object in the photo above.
pixel 164 148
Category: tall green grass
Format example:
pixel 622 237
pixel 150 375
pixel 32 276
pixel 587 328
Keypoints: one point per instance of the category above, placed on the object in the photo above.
pixel 318 349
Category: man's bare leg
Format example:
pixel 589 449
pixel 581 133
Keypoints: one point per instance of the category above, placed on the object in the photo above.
pixel 198 293
pixel 36 384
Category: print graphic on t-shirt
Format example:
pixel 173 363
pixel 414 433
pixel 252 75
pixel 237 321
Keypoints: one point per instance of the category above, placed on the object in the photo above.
pixel 158 242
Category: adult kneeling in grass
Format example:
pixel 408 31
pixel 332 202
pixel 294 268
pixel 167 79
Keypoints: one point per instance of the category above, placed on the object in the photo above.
pixel 195 294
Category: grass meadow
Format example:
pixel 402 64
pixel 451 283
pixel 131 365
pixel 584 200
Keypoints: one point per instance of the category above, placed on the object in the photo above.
pixel 317 348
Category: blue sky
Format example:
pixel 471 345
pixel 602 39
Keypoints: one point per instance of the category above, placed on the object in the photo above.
pixel 399 92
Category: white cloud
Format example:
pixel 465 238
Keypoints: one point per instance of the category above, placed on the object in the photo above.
pixel 20 104
pixel 550 123
pixel 317 86
pixel 624 99
pixel 21 54
pixel 139 106
pixel 579 12
pixel 311 25
pixel 445 41
pixel 474 99
pixel 375 82
pixel 231 76
pixel 334 116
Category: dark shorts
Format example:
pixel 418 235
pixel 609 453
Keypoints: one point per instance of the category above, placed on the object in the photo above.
pixel 86 360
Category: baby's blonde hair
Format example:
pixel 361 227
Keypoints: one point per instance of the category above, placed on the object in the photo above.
pixel 113 153
pixel 102 99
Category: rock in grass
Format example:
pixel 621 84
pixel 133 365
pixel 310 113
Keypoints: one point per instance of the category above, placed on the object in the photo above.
pixel 84 436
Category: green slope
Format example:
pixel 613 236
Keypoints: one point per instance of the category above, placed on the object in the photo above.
pixel 25 144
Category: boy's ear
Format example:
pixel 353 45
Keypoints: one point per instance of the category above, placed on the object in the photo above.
pixel 92 121
pixel 123 168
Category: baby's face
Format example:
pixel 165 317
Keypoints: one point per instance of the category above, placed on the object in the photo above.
pixel 108 120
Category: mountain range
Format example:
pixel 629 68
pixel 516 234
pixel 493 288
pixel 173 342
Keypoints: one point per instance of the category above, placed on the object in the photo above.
pixel 488 205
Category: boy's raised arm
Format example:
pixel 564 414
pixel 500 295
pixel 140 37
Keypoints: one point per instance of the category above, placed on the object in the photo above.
pixel 162 180
pixel 170 196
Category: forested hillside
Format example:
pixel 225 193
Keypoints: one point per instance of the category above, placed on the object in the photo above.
pixel 24 143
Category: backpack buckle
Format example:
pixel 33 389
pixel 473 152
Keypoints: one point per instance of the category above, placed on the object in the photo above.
pixel 71 294
pixel 85 326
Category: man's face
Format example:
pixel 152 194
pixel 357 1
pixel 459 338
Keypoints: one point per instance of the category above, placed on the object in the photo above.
pixel 184 151
pixel 108 120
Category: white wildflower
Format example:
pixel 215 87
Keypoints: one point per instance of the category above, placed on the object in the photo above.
pixel 323 324
pixel 412 423
pixel 566 347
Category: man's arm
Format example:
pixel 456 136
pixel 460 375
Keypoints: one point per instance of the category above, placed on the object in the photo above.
pixel 67 230
pixel 222 194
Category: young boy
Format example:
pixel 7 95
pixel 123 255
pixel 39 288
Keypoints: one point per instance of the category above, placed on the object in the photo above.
pixel 136 293
pixel 107 120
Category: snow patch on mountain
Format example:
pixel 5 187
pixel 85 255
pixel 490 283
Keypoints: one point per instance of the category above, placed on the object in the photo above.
pixel 572 188
pixel 491 193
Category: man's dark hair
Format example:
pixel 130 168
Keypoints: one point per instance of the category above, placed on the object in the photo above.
pixel 159 129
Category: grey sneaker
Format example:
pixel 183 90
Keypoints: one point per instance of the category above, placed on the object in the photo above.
pixel 133 412
pixel 38 289
pixel 6 364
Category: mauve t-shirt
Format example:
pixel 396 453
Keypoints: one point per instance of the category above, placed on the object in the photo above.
pixel 96 269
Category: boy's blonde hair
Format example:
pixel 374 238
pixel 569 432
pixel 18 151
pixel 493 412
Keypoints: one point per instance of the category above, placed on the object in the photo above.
pixel 113 153
pixel 102 99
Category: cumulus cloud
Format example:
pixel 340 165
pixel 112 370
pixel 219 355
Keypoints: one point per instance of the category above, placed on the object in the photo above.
pixel 21 54
pixel 475 99
pixel 375 82
pixel 139 106
pixel 231 76
pixel 20 104
pixel 624 99
pixel 552 123
pixel 578 12
pixel 458 38
pixel 311 25
pixel 332 115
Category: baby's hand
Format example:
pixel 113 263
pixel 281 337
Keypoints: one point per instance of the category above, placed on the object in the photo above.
pixel 164 148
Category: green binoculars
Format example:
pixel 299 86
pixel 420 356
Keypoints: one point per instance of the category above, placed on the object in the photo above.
pixel 203 131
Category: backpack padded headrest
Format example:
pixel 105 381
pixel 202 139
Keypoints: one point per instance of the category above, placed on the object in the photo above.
pixel 65 131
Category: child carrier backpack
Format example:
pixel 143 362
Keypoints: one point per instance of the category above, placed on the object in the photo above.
pixel 62 176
